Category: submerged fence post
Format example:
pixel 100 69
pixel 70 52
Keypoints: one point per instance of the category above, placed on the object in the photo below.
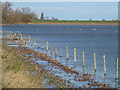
pixel 46 47
pixel 83 59
pixel 104 57
pixel 60 52
pixel 42 45
pixel 95 68
pixel 116 69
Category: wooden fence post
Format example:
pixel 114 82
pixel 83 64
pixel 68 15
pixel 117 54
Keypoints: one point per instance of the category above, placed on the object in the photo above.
pixel 21 36
pixel 38 44
pixel 67 54
pixel 83 59
pixel 34 43
pixel 15 37
pixel 74 55
pixel 42 45
pixel 95 68
pixel 60 52
pixel 104 57
pixel 51 50
pixel 46 47
pixel 116 69
pixel 29 38
pixel 55 48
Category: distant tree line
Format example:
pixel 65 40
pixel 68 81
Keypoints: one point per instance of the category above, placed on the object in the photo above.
pixel 15 16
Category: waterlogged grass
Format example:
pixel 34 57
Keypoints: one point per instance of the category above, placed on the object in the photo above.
pixel 72 21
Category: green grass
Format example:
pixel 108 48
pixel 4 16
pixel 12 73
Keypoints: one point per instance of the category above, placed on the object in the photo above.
pixel 72 21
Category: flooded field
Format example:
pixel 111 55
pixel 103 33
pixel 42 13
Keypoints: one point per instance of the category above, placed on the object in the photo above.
pixel 99 39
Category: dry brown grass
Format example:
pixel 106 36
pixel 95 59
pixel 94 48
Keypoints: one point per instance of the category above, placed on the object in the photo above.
pixel 14 74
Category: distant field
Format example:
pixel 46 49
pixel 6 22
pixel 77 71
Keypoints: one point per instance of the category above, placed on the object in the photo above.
pixel 71 21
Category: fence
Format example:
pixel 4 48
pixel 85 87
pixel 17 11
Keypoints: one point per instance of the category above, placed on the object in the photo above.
pixel 27 39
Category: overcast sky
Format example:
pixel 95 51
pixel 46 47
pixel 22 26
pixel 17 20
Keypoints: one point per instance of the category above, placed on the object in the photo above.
pixel 73 10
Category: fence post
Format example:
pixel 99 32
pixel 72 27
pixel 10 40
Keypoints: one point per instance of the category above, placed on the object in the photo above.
pixel 15 37
pixel 116 69
pixel 83 59
pixel 104 57
pixel 60 52
pixel 34 43
pixel 55 48
pixel 51 50
pixel 67 54
pixel 95 68
pixel 74 55
pixel 42 45
pixel 46 47
pixel 20 36
pixel 38 44
pixel 29 38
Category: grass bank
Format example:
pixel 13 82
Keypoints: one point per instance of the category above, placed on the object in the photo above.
pixel 70 22
pixel 15 72
pixel 74 22
pixel 20 72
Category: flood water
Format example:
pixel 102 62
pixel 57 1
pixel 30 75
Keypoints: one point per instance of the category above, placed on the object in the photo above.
pixel 101 39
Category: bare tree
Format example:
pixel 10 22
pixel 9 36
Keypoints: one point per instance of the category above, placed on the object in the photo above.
pixel 10 16
pixel 6 11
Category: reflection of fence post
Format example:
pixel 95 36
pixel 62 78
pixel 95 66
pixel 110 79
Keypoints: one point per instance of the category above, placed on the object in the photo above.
pixel 46 47
pixel 116 69
pixel 42 45
pixel 104 57
pixel 60 52
pixel 95 63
